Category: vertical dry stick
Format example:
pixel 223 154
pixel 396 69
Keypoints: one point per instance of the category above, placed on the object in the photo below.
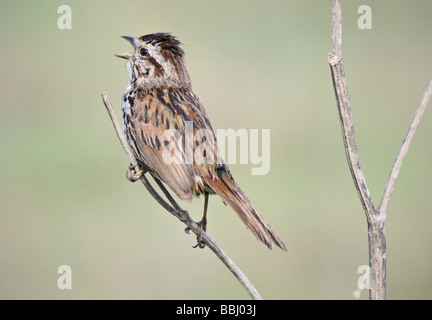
pixel 375 218
pixel 376 236
pixel 179 213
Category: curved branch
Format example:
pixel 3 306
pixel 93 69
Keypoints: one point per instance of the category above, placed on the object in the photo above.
pixel 178 212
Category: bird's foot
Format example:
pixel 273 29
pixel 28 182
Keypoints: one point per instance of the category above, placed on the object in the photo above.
pixel 134 173
pixel 202 226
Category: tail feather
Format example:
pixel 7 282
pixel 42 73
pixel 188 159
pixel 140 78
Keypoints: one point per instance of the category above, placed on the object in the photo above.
pixel 225 186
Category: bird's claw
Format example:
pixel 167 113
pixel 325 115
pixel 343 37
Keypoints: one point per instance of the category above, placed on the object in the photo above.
pixel 134 173
pixel 200 244
pixel 201 228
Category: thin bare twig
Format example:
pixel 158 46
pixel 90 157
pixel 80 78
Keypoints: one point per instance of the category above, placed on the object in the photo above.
pixel 382 209
pixel 178 212
pixel 336 10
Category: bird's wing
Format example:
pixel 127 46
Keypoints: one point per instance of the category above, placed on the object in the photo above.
pixel 156 125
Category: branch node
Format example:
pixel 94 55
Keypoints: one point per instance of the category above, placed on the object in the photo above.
pixel 333 59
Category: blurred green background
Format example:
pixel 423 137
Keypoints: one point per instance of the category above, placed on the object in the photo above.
pixel 64 198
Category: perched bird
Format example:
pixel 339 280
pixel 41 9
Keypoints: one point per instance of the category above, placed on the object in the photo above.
pixel 170 133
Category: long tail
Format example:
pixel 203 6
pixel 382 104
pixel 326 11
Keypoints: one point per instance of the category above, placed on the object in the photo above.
pixel 225 186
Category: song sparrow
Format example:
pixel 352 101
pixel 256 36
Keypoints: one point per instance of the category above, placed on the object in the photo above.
pixel 159 111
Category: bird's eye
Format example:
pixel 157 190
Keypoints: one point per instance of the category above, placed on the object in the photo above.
pixel 143 51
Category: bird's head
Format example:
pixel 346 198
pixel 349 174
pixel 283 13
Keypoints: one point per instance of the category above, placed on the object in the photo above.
pixel 158 59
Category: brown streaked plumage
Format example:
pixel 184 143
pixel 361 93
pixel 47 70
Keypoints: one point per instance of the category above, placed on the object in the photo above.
pixel 170 133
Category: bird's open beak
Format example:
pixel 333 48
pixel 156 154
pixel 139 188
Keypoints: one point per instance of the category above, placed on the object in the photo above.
pixel 130 39
pixel 126 56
